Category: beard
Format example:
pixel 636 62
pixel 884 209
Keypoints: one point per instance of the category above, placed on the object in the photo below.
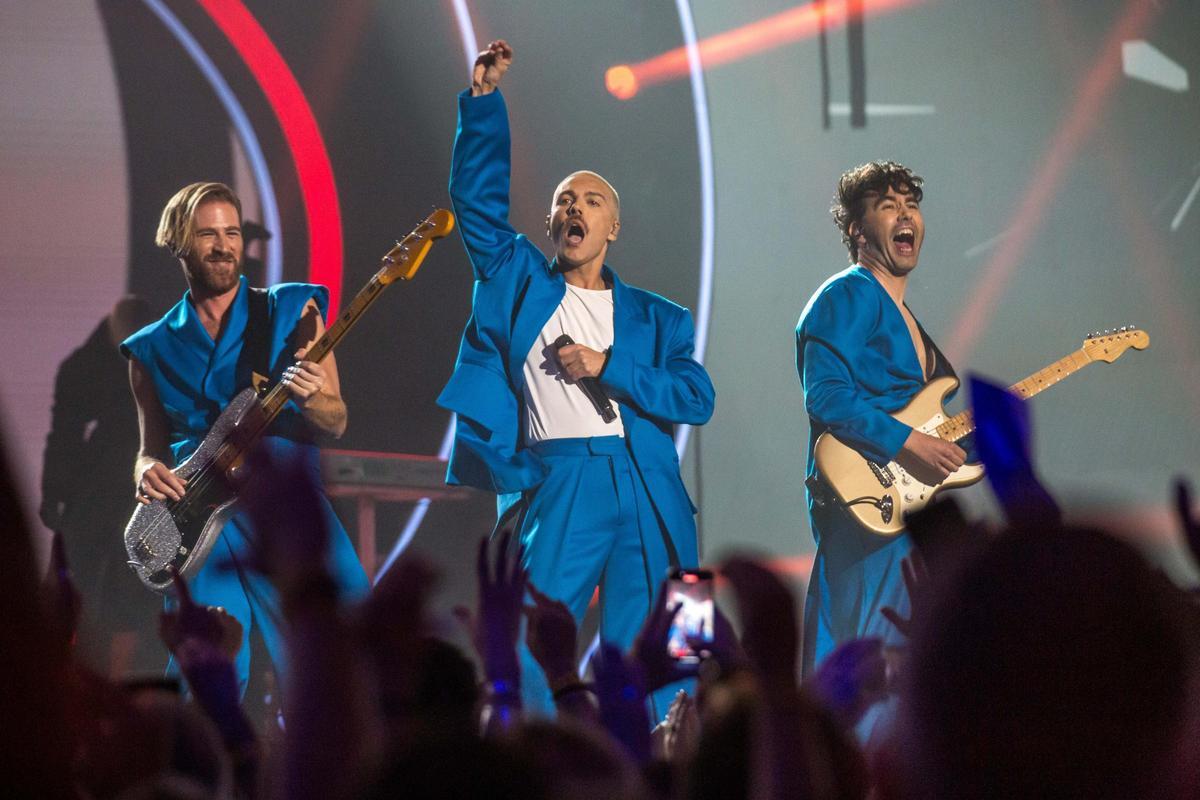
pixel 214 276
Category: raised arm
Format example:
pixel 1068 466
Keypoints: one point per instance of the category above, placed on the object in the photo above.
pixel 679 392
pixel 480 165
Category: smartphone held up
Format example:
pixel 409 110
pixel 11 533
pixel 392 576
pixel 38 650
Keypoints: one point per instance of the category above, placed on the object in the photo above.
pixel 692 591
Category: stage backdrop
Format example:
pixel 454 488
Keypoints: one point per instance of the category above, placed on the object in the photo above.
pixel 1057 139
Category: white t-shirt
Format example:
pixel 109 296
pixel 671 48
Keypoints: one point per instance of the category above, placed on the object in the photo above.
pixel 556 408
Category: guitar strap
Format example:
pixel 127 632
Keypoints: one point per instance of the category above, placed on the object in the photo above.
pixel 942 368
pixel 256 342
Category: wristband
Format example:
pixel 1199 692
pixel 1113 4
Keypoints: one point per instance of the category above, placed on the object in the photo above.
pixel 505 693
pixel 572 688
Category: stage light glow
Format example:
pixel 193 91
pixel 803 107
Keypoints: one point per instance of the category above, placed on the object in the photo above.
pixel 621 82
pixel 624 81
pixel 1145 62
pixel 1047 177
pixel 303 136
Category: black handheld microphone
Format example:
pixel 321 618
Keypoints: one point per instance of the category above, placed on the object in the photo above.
pixel 591 387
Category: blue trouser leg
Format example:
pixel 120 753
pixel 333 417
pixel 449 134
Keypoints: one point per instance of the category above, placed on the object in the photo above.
pixel 567 533
pixel 855 574
pixel 636 566
pixel 225 580
pixel 215 585
pixel 591 522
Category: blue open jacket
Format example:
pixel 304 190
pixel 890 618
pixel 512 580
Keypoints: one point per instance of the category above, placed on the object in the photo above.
pixel 650 372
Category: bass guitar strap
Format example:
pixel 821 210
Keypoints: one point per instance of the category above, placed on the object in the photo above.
pixel 256 342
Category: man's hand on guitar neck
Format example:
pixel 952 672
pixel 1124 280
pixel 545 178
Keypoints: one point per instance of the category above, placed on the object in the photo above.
pixel 930 460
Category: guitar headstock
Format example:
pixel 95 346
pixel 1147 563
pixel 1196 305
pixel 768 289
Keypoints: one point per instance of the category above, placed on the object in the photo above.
pixel 1110 345
pixel 403 260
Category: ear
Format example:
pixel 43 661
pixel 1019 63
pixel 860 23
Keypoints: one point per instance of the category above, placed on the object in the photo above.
pixel 856 233
pixel 616 228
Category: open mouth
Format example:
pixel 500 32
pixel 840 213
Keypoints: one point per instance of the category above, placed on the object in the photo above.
pixel 905 240
pixel 575 234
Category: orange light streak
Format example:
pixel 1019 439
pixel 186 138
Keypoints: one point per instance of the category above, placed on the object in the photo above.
pixel 624 81
pixel 1047 176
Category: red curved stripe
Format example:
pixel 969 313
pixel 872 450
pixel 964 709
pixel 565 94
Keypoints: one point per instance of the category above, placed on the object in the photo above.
pixel 317 188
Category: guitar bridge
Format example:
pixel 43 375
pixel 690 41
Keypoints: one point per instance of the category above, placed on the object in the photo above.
pixel 882 474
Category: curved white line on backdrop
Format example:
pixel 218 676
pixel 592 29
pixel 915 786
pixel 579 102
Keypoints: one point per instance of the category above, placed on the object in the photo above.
pixel 466 30
pixel 707 194
pixel 245 134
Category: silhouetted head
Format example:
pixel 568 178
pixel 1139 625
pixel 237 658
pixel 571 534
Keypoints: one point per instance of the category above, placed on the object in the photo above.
pixel 129 315
pixel 1053 663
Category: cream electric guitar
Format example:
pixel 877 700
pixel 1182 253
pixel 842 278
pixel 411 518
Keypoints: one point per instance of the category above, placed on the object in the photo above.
pixel 879 495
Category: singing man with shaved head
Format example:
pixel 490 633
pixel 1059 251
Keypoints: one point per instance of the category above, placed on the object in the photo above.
pixel 575 439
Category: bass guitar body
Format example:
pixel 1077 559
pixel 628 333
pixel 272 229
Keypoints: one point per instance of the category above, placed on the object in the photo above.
pixel 181 533
pixel 879 495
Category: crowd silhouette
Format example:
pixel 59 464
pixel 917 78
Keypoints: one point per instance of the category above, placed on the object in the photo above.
pixel 1043 660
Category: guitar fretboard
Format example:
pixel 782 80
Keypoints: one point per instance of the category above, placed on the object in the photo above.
pixel 960 425
pixel 276 398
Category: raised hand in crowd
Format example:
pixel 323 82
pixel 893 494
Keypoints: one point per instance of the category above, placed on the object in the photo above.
pixel 490 66
pixel 205 641
pixel 61 599
pixel 496 627
pixel 621 692
pixel 770 633
pixel 798 749
pixel 551 634
pixel 650 651
pixel 392 626
pixel 211 626
pixel 290 534
pixel 332 737
pixel 916 583
pixel 850 680
pixel 1189 520
pixel 675 738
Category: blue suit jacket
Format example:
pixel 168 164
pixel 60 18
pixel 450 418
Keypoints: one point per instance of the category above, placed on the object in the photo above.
pixel 650 372
pixel 858 366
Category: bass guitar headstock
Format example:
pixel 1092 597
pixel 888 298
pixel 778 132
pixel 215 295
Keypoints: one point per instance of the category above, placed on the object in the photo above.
pixel 1109 345
pixel 403 260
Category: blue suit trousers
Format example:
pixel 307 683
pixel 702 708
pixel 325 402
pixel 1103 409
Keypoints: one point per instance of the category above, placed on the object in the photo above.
pixel 591 523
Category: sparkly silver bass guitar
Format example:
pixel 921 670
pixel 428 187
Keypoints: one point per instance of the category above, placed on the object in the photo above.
pixel 181 533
